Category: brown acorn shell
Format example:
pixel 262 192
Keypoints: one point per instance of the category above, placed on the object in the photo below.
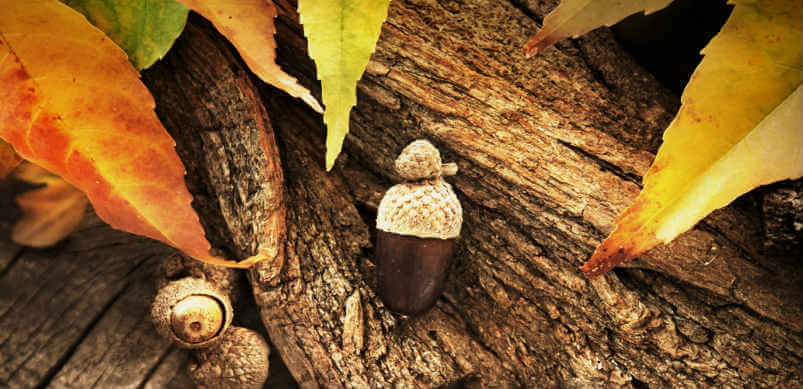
pixel 173 300
pixel 239 360
pixel 411 271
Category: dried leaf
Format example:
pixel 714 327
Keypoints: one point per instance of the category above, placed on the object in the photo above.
pixel 573 18
pixel 739 127
pixel 49 213
pixel 145 29
pixel 8 159
pixel 248 25
pixel 342 35
pixel 71 103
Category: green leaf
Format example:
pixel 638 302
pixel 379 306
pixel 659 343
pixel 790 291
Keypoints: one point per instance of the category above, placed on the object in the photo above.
pixel 573 18
pixel 145 29
pixel 342 35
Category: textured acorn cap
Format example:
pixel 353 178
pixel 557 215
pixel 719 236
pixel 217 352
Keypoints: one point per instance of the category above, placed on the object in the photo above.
pixel 191 312
pixel 425 209
pixel 240 360
pixel 178 266
pixel 419 160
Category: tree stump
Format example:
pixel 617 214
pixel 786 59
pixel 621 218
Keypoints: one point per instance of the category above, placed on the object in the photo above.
pixel 550 150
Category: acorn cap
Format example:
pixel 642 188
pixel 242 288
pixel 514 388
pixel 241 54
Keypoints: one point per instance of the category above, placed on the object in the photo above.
pixel 178 266
pixel 425 209
pixel 421 160
pixel 191 312
pixel 240 360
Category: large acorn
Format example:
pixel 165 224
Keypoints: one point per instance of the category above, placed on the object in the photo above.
pixel 417 224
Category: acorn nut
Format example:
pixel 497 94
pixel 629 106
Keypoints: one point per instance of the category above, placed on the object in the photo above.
pixel 191 312
pixel 240 361
pixel 417 224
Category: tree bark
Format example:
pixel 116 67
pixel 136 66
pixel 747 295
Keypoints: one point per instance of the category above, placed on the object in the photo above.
pixel 550 150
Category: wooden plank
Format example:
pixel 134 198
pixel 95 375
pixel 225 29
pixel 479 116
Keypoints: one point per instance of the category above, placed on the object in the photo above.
pixel 122 350
pixel 8 253
pixel 171 372
pixel 50 299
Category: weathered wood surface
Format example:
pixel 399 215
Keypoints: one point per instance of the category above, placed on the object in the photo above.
pixel 207 102
pixel 77 315
pixel 71 316
pixel 550 151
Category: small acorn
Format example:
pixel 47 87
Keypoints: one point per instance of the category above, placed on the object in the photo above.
pixel 417 224
pixel 191 312
pixel 178 266
pixel 239 360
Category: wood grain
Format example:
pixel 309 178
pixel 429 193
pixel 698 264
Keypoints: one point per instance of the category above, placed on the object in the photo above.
pixel 51 300
pixel 550 150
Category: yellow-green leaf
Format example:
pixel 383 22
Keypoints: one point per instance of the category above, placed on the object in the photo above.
pixel 8 159
pixel 145 29
pixel 49 213
pixel 72 103
pixel 739 127
pixel 248 25
pixel 573 18
pixel 342 35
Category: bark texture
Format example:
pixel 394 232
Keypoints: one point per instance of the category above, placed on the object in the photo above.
pixel 550 150
pixel 207 103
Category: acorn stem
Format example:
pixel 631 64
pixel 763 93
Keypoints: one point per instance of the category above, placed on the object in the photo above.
pixel 448 169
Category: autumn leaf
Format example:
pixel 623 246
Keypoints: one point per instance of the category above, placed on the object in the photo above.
pixel 72 103
pixel 342 35
pixel 49 213
pixel 248 25
pixel 145 29
pixel 740 126
pixel 573 18
pixel 8 159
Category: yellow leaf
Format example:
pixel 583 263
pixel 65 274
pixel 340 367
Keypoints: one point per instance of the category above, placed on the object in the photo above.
pixel 739 127
pixel 573 18
pixel 342 35
pixel 8 159
pixel 248 25
pixel 49 213
pixel 72 103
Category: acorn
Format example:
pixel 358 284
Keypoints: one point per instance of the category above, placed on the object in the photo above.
pixel 191 312
pixel 417 224
pixel 239 360
pixel 178 266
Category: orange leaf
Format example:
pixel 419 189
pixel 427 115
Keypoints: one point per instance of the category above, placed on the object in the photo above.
pixel 8 159
pixel 248 25
pixel 49 213
pixel 71 103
